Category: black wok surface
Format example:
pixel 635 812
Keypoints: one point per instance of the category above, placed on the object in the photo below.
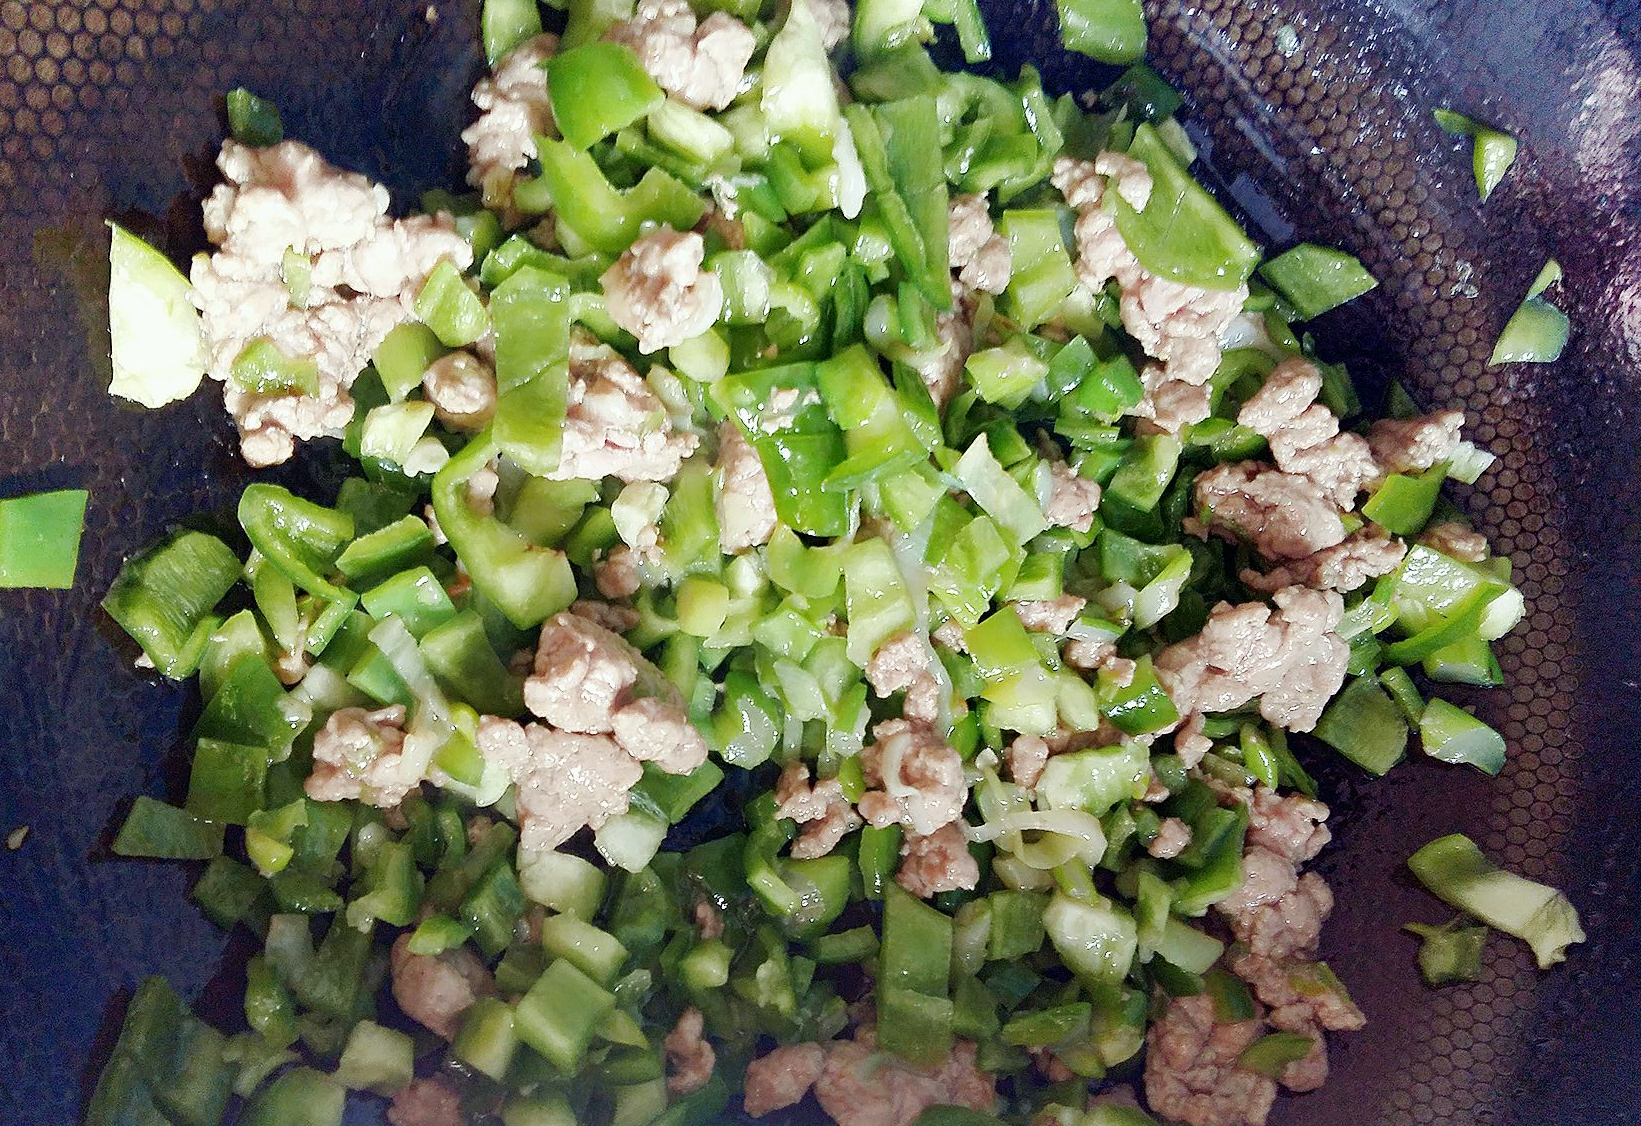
pixel 112 108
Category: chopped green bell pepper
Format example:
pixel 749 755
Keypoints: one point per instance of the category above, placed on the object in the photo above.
pixel 798 443
pixel 529 583
pixel 1450 953
pixel 1455 871
pixel 1315 278
pixel 914 978
pixel 300 538
pixel 1449 733
pixel 598 88
pixel 159 831
pixel 1402 503
pixel 899 146
pixel 252 120
pixel 1493 151
pixel 504 24
pixel 1110 31
pixel 530 312
pixel 1096 939
pixel 1274 1051
pixel 447 306
pixel 604 217
pixel 163 596
pixel 1183 234
pixel 560 1014
pixel 40 539
pixel 1365 725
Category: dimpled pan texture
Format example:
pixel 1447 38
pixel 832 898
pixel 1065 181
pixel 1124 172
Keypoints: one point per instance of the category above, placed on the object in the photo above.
pixel 1315 118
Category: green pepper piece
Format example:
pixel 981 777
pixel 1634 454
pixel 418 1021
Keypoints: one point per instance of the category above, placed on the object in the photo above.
pixel 1016 924
pixel 162 597
pixel 197 1094
pixel 393 890
pixel 159 831
pixel 1455 871
pixel 822 885
pixel 438 933
pixel 505 24
pixel 300 538
pixel 1095 938
pixel 414 596
pixel 1047 1027
pixel 1365 725
pixel 1143 475
pixel 460 655
pixel 227 891
pixel 1111 31
pixel 560 1013
pixel 1535 334
pixel 998 494
pixel 1450 953
pixel 529 583
pixel 531 314
pixel 488 1038
pixel 298 1097
pixel 252 120
pixel 1274 1051
pixel 227 781
pixel 251 706
pixel 914 978
pixel 1106 389
pixel 880 441
pixel 887 26
pixel 492 907
pixel 1094 779
pixel 374 504
pixel 403 357
pixel 899 146
pixel 598 88
pixel 372 558
pixel 1468 661
pixel 1462 621
pixel 1008 373
pixel 1183 234
pixel 1144 93
pixel 262 368
pixel 604 217
pixel 40 539
pixel 590 19
pixel 878 859
pixel 1315 278
pixel 1403 691
pixel 269 1007
pixel 268 834
pixel 1040 274
pixel 676 794
pixel 798 446
pixel 1494 151
pixel 448 307
pixel 1140 708
pixel 1402 503
pixel 1450 734
pixel 162 1050
pixel 859 944
pixel 799 101
pixel 376 1059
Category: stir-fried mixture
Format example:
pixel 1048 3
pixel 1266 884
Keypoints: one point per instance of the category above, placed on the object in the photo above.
pixel 834 561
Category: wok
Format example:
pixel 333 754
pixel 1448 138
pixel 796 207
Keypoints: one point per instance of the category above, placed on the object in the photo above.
pixel 1314 117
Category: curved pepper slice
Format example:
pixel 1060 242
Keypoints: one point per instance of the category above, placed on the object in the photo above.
pixel 300 538
pixel 529 583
